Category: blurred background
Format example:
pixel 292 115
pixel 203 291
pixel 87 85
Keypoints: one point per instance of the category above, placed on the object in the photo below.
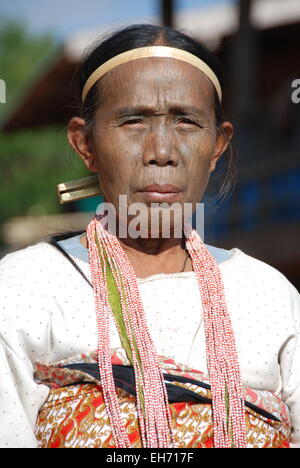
pixel 258 43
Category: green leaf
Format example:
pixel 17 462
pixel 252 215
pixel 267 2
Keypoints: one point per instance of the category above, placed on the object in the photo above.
pixel 115 303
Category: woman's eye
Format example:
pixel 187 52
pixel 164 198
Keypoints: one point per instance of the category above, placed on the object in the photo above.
pixel 187 123
pixel 133 122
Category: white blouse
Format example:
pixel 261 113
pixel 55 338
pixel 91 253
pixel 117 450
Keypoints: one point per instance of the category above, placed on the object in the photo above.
pixel 47 314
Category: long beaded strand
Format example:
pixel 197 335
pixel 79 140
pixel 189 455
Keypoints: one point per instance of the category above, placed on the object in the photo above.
pixel 157 427
pixel 157 431
pixel 154 417
pixel 104 357
pixel 222 358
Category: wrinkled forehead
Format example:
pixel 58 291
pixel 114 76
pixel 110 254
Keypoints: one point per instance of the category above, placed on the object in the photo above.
pixel 145 79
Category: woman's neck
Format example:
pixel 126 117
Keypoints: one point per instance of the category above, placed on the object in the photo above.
pixel 153 256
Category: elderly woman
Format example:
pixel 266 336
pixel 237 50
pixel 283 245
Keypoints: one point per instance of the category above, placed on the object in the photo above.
pixel 161 340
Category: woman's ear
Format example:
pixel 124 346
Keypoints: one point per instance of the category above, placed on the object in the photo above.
pixel 224 135
pixel 82 143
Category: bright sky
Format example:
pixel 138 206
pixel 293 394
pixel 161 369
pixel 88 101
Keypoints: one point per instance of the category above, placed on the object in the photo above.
pixel 64 17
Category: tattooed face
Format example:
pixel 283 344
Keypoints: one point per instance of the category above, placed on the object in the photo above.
pixel 154 136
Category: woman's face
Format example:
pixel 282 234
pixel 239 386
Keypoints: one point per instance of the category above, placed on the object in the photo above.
pixel 155 136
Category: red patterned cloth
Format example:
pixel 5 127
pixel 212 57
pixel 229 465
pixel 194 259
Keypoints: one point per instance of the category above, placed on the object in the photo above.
pixel 75 415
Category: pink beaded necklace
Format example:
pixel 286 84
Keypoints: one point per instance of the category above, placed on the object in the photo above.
pixel 116 294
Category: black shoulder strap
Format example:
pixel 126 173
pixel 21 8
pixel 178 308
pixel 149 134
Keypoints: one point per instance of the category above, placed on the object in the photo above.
pixel 53 240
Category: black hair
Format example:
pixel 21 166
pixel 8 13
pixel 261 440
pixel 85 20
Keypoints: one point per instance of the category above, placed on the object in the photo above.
pixel 142 35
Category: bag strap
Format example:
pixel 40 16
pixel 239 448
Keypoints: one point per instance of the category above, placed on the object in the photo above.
pixel 53 240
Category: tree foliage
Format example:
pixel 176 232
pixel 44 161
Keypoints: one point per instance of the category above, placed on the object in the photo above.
pixel 32 161
pixel 22 55
pixel 32 164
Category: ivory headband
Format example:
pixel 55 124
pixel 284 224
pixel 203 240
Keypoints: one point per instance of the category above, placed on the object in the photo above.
pixel 152 51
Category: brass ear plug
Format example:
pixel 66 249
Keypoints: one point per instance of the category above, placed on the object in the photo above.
pixel 78 189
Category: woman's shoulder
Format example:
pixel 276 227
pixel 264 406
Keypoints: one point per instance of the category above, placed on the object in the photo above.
pixel 253 274
pixel 22 256
pixel 241 259
pixel 25 289
pixel 45 265
pixel 22 267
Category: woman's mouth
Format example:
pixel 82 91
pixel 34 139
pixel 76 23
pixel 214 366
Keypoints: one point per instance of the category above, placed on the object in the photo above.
pixel 161 193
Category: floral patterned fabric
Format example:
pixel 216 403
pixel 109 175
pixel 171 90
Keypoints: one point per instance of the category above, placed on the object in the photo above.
pixel 74 414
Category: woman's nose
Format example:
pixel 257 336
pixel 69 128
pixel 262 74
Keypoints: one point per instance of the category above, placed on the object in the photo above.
pixel 159 148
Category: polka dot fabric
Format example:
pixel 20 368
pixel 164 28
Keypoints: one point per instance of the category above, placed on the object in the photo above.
pixel 47 314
